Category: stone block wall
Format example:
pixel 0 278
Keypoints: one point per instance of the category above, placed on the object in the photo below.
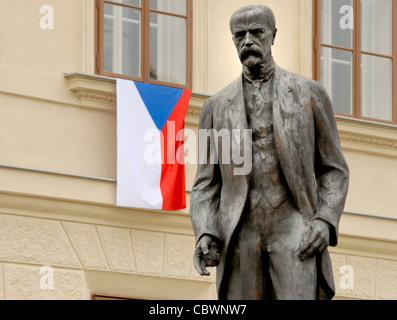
pixel 34 250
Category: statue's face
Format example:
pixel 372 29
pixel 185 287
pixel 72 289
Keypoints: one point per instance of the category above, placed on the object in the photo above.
pixel 252 37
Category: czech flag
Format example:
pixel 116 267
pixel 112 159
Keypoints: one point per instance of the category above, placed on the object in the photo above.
pixel 150 145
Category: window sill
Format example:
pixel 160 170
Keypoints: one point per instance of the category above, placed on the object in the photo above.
pixel 93 91
pixel 99 92
pixel 369 123
pixel 368 136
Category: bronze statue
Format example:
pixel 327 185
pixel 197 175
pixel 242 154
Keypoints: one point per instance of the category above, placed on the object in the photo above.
pixel 267 231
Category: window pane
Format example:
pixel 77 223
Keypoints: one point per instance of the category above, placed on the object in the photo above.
pixel 122 40
pixel 377 26
pixel 336 27
pixel 108 44
pixel 173 6
pixel 376 96
pixel 168 48
pixel 336 76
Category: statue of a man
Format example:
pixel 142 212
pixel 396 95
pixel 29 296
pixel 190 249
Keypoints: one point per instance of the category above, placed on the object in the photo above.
pixel 268 230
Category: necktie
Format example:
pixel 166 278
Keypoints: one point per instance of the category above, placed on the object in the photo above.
pixel 258 100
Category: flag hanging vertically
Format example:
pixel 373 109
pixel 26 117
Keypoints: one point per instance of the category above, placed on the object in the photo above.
pixel 150 145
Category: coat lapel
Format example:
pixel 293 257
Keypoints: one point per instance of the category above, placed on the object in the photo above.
pixel 241 137
pixel 284 121
pixel 290 137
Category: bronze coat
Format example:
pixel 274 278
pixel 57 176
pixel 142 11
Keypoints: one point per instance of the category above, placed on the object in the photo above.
pixel 309 152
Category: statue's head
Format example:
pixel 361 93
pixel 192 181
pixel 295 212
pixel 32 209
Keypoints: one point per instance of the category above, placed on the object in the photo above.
pixel 254 30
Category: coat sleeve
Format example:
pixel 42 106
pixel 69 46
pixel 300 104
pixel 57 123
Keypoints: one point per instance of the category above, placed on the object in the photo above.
pixel 331 169
pixel 205 198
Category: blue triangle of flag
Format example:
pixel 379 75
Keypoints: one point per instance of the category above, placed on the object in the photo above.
pixel 160 101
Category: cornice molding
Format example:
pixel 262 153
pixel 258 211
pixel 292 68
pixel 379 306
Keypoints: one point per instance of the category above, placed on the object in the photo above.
pixel 368 140
pixel 95 96
pixel 93 91
pixel 368 137
pixel 103 214
pixel 99 92
pixel 373 244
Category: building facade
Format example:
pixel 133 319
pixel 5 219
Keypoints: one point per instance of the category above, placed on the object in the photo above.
pixel 62 235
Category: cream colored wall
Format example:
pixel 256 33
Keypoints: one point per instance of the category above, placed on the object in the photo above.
pixel 58 164
pixel 69 46
pixel 292 49
pixel 46 131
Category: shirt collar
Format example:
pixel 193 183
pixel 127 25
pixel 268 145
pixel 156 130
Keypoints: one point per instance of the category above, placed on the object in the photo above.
pixel 268 71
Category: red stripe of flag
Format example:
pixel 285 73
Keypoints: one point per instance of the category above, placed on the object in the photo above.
pixel 172 183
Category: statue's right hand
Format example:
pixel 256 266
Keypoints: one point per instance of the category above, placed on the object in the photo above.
pixel 206 255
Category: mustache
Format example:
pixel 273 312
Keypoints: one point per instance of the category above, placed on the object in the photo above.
pixel 248 51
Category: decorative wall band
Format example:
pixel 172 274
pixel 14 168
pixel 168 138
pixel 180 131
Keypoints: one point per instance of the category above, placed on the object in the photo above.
pixel 371 141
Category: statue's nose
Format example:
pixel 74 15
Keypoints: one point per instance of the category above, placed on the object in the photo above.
pixel 248 40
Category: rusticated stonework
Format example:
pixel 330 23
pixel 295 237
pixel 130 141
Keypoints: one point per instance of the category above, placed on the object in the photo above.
pixel 72 249
pixel 372 278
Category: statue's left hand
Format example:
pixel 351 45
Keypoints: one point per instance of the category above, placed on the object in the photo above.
pixel 316 240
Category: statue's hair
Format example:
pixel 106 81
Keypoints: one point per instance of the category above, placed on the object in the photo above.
pixel 270 18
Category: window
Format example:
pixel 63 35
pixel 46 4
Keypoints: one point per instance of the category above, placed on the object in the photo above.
pixel 146 40
pixel 355 51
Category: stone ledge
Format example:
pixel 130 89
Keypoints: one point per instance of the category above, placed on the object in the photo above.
pixel 368 136
pixel 99 92
pixel 69 210
pixel 93 91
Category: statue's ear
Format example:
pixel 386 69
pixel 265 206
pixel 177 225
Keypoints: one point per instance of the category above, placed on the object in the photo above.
pixel 274 36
